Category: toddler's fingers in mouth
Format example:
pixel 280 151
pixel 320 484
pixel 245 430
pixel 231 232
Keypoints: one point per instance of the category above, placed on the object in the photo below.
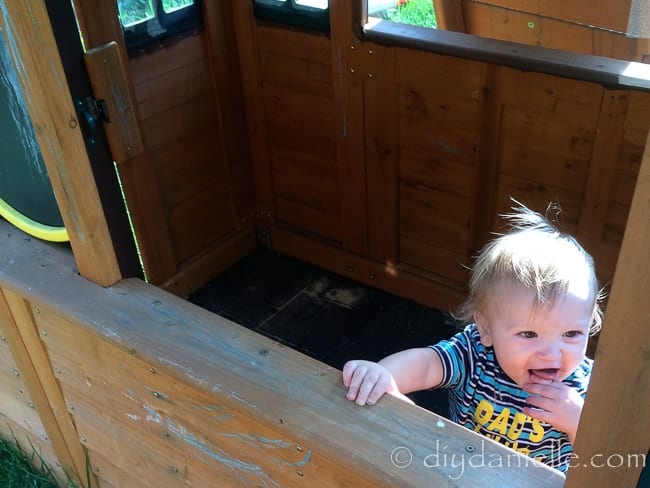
pixel 542 376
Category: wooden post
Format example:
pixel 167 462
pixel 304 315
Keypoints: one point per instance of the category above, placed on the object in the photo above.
pixel 254 103
pixel 614 433
pixel 449 15
pixel 34 365
pixel 28 33
pixel 349 78
pixel 113 82
pixel 609 137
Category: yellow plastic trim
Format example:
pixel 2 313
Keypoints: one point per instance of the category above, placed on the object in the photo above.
pixel 33 228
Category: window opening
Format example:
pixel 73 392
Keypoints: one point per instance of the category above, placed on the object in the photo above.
pixel 170 6
pixel 311 14
pixel 412 12
pixel 145 22
pixel 622 27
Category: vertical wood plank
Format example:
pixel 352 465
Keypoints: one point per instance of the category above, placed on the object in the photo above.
pixel 487 155
pixel 28 32
pixel 600 181
pixel 99 24
pixel 20 420
pixel 227 87
pixel 34 365
pixel 151 230
pixel 449 15
pixel 349 98
pixel 381 103
pixel 107 72
pixel 245 28
pixel 615 424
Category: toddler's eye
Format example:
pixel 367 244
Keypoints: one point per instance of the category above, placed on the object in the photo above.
pixel 573 333
pixel 528 334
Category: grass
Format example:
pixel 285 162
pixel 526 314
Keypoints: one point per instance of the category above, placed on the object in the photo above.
pixel 17 468
pixel 414 12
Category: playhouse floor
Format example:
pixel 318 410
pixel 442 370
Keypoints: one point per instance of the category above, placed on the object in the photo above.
pixel 323 315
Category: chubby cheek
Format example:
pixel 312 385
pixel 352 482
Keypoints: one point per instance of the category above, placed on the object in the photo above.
pixel 573 356
pixel 515 364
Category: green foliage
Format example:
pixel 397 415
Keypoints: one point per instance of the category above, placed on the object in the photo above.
pixel 414 12
pixel 17 468
pixel 20 470
pixel 170 5
pixel 134 11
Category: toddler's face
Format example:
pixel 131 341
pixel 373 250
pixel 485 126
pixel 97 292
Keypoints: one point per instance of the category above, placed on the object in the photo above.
pixel 536 344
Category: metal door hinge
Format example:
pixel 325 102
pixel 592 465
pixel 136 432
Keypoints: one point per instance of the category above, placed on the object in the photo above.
pixel 92 113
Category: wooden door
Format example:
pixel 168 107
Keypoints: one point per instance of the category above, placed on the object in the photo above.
pixel 70 49
pixel 180 153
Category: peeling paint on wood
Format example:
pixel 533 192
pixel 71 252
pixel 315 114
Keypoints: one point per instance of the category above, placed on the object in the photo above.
pixel 236 464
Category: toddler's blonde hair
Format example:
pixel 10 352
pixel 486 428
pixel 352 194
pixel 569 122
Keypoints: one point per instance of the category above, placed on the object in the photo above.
pixel 536 255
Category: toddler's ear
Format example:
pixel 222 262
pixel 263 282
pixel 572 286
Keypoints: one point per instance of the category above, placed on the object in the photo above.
pixel 483 329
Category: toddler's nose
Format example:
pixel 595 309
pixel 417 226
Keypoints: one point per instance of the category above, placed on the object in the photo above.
pixel 550 351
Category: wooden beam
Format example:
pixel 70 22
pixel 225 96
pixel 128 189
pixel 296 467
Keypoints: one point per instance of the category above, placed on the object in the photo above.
pixel 449 15
pixel 33 49
pixel 34 365
pixel 349 79
pixel 227 83
pixel 409 283
pixel 487 156
pixel 247 48
pixel 107 72
pixel 614 433
pixel 382 118
pixel 217 259
pixel 602 169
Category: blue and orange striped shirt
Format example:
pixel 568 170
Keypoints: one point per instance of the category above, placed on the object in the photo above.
pixel 483 398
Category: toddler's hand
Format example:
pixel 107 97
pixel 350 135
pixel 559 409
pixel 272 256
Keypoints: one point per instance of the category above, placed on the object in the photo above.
pixel 557 404
pixel 366 381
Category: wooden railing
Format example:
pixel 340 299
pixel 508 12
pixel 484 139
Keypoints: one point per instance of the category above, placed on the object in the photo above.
pixel 157 392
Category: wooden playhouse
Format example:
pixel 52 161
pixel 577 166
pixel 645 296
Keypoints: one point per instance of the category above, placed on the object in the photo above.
pixel 380 151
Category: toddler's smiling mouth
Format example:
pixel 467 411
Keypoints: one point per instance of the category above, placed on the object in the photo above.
pixel 548 374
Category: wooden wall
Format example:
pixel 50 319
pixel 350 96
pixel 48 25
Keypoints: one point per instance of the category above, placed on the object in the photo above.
pixel 441 143
pixel 385 164
pixel 190 190
pixel 151 390
pixel 594 27
pixel 298 101
pixel 19 419
pixel 178 113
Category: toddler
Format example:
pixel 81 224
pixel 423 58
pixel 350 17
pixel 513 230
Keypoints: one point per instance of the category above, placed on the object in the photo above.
pixel 517 373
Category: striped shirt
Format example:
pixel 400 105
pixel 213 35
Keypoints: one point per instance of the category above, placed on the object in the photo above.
pixel 484 399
